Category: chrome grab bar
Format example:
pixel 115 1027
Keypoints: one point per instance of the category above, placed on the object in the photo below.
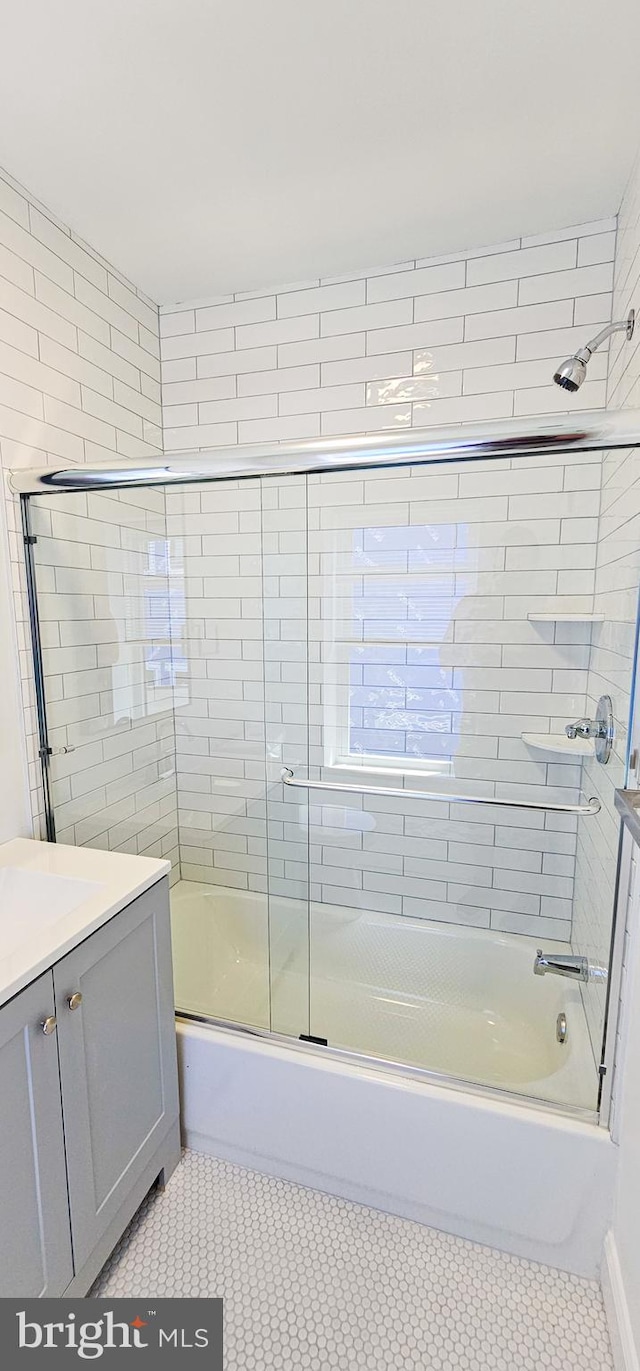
pixel 591 807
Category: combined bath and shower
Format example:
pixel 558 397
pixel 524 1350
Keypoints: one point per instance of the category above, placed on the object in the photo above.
pixel 571 374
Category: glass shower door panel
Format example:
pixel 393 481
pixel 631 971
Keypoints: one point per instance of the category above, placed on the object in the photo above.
pixel 102 576
pixel 152 629
pixel 219 906
pixel 432 674
pixel 287 702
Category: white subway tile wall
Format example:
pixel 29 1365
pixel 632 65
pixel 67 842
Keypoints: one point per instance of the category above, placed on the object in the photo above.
pixel 80 382
pixel 464 339
pixel 427 662
pixel 345 620
pixel 614 641
pixel 215 540
pixel 468 550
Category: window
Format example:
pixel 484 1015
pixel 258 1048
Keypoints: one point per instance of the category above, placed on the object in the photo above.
pixel 389 700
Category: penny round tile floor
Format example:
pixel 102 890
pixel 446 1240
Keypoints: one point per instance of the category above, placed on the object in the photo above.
pixel 316 1282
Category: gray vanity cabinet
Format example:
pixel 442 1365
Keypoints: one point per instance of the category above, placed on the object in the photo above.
pixel 116 1038
pixel 89 1114
pixel 35 1241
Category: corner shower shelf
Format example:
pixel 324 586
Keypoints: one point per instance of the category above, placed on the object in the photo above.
pixel 558 742
pixel 576 618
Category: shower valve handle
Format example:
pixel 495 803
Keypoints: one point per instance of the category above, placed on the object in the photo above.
pixel 586 728
pixel 601 729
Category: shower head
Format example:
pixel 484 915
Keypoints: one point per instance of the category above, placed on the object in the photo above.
pixel 571 374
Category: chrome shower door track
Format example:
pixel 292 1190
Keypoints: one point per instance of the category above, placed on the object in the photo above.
pixel 387 1065
pixel 589 431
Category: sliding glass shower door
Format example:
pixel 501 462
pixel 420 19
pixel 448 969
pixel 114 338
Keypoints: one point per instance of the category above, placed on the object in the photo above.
pixel 338 703
pixel 449 629
pixel 174 683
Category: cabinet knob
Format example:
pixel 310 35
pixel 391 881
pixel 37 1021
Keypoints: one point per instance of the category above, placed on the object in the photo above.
pixel 74 1001
pixel 49 1025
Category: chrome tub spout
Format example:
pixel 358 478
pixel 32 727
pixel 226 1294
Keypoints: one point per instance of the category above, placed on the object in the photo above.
pixel 561 964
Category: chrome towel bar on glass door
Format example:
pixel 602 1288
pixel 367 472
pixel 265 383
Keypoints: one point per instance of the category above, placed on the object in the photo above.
pixel 591 806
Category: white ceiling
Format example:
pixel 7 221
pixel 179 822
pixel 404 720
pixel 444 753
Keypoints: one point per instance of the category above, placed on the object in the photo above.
pixel 205 147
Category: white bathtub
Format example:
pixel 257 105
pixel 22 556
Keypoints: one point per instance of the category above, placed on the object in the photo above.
pixel 453 1000
pixel 461 1001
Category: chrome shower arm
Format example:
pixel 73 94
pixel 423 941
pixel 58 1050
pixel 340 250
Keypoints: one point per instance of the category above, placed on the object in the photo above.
pixel 620 326
pixel 571 373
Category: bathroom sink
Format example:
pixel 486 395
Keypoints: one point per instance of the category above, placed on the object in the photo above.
pixel 31 901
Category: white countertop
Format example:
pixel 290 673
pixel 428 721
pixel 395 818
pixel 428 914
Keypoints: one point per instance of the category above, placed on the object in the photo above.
pixel 97 885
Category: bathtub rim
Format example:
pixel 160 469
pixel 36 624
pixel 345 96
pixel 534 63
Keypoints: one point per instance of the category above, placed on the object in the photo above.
pixel 394 1071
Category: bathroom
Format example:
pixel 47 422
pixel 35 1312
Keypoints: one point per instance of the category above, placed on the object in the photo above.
pixel 319 430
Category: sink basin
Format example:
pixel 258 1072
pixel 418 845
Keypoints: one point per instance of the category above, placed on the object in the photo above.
pixel 33 900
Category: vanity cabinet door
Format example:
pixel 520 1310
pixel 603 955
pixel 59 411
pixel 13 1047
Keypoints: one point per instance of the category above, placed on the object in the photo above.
pixel 35 1239
pixel 116 1038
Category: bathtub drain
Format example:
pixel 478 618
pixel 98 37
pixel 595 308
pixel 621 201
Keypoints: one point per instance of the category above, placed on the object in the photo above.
pixel 561 1028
